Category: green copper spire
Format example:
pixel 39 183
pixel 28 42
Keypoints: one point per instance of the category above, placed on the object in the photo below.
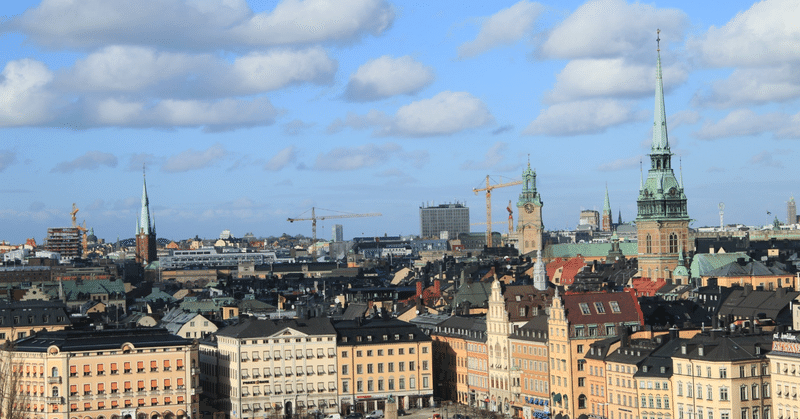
pixel 660 141
pixel 143 225
pixel 607 203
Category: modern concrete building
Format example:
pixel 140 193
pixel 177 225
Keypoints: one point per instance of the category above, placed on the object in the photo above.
pixel 452 219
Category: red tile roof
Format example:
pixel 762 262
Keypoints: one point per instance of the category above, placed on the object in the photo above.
pixel 569 268
pixel 629 310
pixel 646 287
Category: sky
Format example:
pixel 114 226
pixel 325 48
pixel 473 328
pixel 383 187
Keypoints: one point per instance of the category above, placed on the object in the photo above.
pixel 246 113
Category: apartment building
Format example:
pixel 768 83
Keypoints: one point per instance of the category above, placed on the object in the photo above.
pixel 271 367
pixel 460 344
pixel 24 318
pixel 722 376
pixel 124 373
pixel 530 369
pixel 784 362
pixel 380 357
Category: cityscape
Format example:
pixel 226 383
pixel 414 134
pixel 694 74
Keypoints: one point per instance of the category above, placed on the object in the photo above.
pixel 198 272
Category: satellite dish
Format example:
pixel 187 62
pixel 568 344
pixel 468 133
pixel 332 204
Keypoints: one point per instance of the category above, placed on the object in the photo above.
pixel 336 300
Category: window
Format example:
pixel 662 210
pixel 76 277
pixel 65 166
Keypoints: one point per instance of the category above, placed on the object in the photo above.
pixel 585 309
pixel 765 394
pixel 369 368
pixel 424 365
pixel 580 351
pixel 614 306
pixel 723 394
pixel 391 367
pixel 598 306
pixel 581 382
pixel 359 369
pixel 743 393
pixel 581 363
pixel 673 247
pixel 754 392
pixel 648 244
pixel 344 369
pixel 411 366
pixel 741 371
pixel 582 402
pixel 723 373
pixel 745 413
pixel 424 349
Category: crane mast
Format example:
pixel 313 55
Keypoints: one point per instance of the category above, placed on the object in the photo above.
pixel 489 187
pixel 314 219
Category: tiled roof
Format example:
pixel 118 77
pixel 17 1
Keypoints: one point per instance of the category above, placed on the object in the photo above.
pixel 751 268
pixel 577 303
pixel 703 263
pixel 569 268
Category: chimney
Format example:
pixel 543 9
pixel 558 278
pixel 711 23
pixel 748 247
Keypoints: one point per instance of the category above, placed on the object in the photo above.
pixel 673 333
pixel 419 288
pixel 747 289
pixel 780 292
pixel 437 287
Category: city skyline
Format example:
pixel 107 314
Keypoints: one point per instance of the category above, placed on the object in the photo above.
pixel 248 113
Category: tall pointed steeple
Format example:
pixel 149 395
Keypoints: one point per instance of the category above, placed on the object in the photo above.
pixel 539 273
pixel 144 226
pixel 660 141
pixel 608 220
pixel 607 203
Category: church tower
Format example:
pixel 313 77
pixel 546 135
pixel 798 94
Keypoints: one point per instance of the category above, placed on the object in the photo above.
pixel 607 223
pixel 662 221
pixel 529 210
pixel 145 230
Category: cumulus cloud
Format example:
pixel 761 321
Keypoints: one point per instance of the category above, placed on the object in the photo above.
pixel 753 86
pixel 147 71
pixel 24 97
pixel 766 34
pixel 582 117
pixel 282 159
pixel 218 115
pixel 89 161
pixel 385 77
pixel 192 159
pixel 7 158
pixel 353 158
pixel 613 28
pixel 742 123
pixel 296 126
pixel 765 159
pixel 504 27
pixel 610 77
pixel 202 25
pixel 493 159
pixel 444 114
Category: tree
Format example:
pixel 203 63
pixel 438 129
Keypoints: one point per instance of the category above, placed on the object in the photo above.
pixel 13 400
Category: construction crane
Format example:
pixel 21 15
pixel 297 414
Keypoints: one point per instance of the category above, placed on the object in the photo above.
pixel 314 219
pixel 81 229
pixel 488 189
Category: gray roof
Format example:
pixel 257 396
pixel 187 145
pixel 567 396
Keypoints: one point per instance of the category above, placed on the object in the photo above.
pixel 34 314
pixel 703 263
pixel 750 268
pixel 98 340
pixel 253 328
pixel 747 303
pixel 725 348
pixel 476 293
pixel 469 328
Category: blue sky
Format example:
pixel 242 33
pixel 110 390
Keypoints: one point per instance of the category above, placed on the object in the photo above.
pixel 250 112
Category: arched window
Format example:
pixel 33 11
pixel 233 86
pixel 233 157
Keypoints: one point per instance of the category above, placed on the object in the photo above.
pixel 648 244
pixel 54 372
pixel 55 392
pixel 582 402
pixel 673 243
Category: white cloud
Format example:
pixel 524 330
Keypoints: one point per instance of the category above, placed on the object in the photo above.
pixel 89 161
pixel 195 160
pixel 353 158
pixel 24 98
pixel 614 77
pixel 385 77
pixel 767 34
pixel 282 159
pixel 581 117
pixel 747 86
pixel 613 28
pixel 493 158
pixel 742 123
pixel 218 115
pixel 444 114
pixel 296 126
pixel 146 71
pixel 765 159
pixel 201 25
pixel 504 27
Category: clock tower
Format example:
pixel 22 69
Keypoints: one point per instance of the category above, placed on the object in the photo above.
pixel 529 214
pixel 662 221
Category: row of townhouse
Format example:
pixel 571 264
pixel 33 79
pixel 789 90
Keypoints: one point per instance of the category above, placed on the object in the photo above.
pixel 114 374
pixel 287 367
pixel 582 357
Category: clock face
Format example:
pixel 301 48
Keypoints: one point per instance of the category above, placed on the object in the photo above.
pixel 529 208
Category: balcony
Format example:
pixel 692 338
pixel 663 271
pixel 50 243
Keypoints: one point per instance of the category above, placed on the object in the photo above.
pixel 53 380
pixel 54 400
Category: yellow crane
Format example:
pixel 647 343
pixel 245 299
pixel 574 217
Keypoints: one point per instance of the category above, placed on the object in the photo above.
pixel 314 219
pixel 80 228
pixel 488 189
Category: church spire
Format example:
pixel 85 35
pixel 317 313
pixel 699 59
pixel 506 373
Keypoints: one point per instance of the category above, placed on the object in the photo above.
pixel 660 141
pixel 144 226
pixel 607 203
